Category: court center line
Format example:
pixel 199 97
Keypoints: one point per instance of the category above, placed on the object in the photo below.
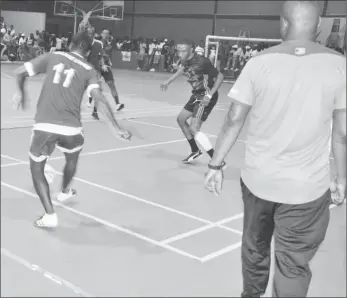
pixel 205 228
pixel 107 224
pixel 138 199
pixel 44 273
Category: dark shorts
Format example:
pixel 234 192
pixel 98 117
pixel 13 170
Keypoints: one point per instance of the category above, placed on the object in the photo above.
pixel 43 144
pixel 200 112
pixel 107 75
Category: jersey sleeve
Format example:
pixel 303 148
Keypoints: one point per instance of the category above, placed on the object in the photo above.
pixel 209 69
pixel 92 81
pixel 242 91
pixel 37 65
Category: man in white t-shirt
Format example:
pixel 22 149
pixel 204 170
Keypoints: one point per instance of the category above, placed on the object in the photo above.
pixel 59 44
pixel 157 56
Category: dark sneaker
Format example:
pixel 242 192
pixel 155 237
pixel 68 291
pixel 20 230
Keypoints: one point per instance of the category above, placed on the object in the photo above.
pixel 192 156
pixel 120 106
pixel 95 115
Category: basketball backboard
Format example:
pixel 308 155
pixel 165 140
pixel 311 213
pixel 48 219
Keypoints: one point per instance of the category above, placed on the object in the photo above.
pixel 106 10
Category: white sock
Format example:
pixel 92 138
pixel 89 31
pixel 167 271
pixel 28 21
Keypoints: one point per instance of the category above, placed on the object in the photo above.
pixel 203 140
pixel 50 218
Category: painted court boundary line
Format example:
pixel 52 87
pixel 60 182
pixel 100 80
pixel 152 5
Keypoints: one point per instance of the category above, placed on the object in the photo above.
pixel 107 224
pixel 44 273
pixel 209 224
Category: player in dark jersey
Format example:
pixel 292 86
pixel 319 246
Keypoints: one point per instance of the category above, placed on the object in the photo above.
pixel 204 97
pixel 96 59
pixel 57 120
pixel 106 70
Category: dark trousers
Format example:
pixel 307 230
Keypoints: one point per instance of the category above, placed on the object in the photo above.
pixel 298 231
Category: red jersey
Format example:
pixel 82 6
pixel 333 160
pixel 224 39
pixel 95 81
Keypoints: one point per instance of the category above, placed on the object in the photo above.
pixel 68 76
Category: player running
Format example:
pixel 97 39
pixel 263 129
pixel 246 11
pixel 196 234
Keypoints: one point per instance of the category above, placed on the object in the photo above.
pixel 57 120
pixel 106 70
pixel 203 99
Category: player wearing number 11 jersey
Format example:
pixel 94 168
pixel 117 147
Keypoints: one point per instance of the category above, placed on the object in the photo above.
pixel 57 120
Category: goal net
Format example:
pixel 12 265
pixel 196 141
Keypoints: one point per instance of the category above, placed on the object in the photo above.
pixel 230 54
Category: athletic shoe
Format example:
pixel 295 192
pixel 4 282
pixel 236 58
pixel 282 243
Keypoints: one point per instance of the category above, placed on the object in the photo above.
pixel 120 106
pixel 192 156
pixel 47 221
pixel 138 68
pixel 152 69
pixel 95 115
pixel 64 196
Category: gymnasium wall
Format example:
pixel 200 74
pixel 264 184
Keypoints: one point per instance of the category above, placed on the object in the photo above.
pixel 181 19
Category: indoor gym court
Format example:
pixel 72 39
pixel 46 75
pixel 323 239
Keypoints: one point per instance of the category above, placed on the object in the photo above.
pixel 142 224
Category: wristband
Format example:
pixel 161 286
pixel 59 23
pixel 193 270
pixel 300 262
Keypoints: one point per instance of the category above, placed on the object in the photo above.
pixel 209 96
pixel 217 168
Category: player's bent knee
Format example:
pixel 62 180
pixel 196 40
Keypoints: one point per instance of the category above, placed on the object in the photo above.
pixel 39 158
pixel 194 129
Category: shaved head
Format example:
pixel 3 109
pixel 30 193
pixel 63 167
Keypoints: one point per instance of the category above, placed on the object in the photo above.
pixel 300 20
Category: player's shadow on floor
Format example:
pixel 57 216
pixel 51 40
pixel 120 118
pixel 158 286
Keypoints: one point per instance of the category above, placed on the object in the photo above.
pixel 198 167
pixel 73 229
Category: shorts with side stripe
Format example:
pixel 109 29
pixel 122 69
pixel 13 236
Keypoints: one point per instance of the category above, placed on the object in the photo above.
pixel 43 144
pixel 200 112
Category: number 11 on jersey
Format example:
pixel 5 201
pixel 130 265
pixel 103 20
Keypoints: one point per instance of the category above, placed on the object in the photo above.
pixel 59 70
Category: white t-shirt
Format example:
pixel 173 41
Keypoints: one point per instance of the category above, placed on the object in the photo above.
pixel 200 51
pixel 158 48
pixel 254 53
pixel 21 41
pixel 119 45
pixel 58 44
pixel 151 47
pixel 143 48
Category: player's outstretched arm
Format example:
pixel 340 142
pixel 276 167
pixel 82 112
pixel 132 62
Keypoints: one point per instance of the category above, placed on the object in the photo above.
pixel 107 116
pixel 31 68
pixel 166 84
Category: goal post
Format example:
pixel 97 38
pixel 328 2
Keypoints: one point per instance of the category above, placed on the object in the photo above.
pixel 214 41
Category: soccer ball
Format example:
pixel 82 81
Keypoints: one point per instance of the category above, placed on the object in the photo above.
pixel 49 173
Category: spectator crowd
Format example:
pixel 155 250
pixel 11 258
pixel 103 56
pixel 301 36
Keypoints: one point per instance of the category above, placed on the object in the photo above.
pixel 231 56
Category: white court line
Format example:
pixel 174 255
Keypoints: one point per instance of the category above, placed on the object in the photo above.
pixel 205 228
pixel 221 252
pixel 101 151
pixel 123 148
pixel 46 274
pixel 231 248
pixel 108 224
pixel 140 111
pixel 173 128
pixel 12 164
pixel 7 75
pixel 138 199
